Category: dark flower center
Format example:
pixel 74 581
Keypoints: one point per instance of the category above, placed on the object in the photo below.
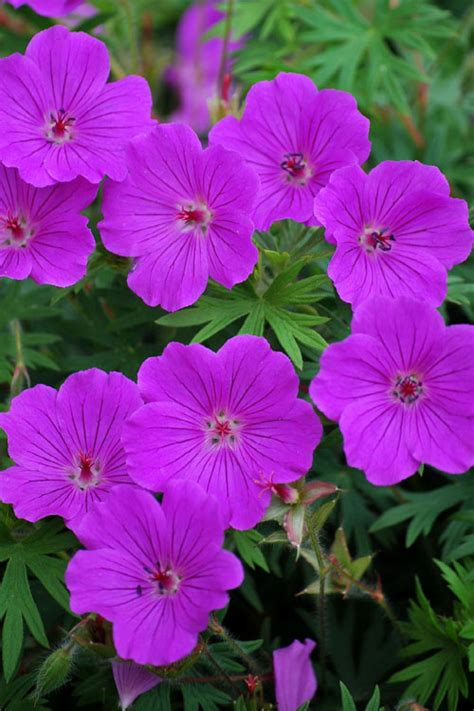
pixel 373 239
pixel 165 581
pixel 194 216
pixel 408 388
pixel 86 472
pixel 222 430
pixel 59 126
pixel 14 231
pixel 296 168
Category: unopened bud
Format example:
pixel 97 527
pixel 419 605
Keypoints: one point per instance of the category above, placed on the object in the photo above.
pixel 317 490
pixel 294 524
pixel 55 670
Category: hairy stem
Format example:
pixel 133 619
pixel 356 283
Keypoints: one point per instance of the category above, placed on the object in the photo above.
pixel 216 628
pixel 322 564
pixel 225 47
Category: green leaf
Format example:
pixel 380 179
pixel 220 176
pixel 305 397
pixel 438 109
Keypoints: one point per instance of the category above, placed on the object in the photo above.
pixel 346 698
pixel 248 549
pixel 374 703
pixel 12 640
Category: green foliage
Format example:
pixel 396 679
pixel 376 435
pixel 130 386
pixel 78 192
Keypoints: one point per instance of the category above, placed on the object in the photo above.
pixel 442 673
pixel 248 549
pixel 348 702
pixel 282 305
pixel 32 552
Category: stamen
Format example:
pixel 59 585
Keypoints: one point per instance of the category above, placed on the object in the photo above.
pixel 166 581
pixel 192 216
pixel 296 168
pixel 86 472
pixel 408 389
pixel 222 429
pixel 59 127
pixel 374 239
pixel 14 231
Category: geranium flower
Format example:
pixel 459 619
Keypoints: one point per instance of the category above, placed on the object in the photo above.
pixel 402 389
pixel 42 233
pixel 294 137
pixel 132 681
pixel 295 680
pixel 195 72
pixel 58 117
pixel 183 213
pixel 396 229
pixel 226 420
pixel 158 571
pixel 66 445
pixel 48 8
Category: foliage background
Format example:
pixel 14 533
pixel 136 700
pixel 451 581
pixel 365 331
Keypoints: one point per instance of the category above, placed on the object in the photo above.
pixel 410 65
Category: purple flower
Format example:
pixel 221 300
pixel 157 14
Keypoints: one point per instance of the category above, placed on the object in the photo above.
pixel 402 389
pixel 48 8
pixel 66 445
pixel 228 420
pixel 196 71
pixel 158 571
pixel 183 213
pixel 295 680
pixel 294 137
pixel 42 233
pixel 132 681
pixel 58 117
pixel 396 229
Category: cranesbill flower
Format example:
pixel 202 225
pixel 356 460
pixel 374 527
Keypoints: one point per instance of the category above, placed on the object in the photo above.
pixel 295 680
pixel 183 213
pixel 58 117
pixel 397 231
pixel 227 420
pixel 66 445
pixel 132 681
pixel 42 233
pixel 158 571
pixel 294 136
pixel 402 389
pixel 195 73
pixel 48 8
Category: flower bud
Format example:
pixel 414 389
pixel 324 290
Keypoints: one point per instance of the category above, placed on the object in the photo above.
pixel 55 670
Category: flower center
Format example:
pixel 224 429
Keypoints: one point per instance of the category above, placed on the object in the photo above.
pixel 373 239
pixel 222 430
pixel 165 581
pixel 59 127
pixel 14 231
pixel 86 472
pixel 194 216
pixel 408 388
pixel 296 168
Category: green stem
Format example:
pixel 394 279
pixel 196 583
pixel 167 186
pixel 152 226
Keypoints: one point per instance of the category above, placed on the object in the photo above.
pixel 320 557
pixel 132 34
pixel 225 47
pixel 222 672
pixel 220 631
pixel 20 371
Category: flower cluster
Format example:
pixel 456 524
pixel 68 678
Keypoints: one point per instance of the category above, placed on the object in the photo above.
pixel 217 433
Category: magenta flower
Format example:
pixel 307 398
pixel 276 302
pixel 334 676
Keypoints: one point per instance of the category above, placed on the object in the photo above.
pixel 294 137
pixel 183 213
pixel 396 229
pixel 132 681
pixel 196 71
pixel 48 8
pixel 227 420
pixel 158 571
pixel 42 233
pixel 402 389
pixel 58 117
pixel 295 680
pixel 66 445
